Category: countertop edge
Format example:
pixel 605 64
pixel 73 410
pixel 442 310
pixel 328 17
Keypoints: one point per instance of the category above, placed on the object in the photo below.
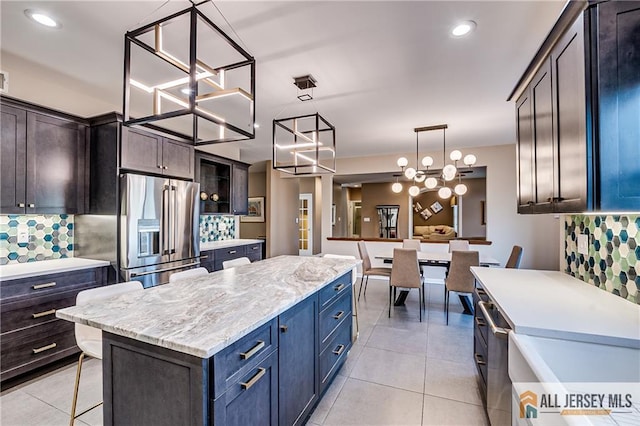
pixel 92 263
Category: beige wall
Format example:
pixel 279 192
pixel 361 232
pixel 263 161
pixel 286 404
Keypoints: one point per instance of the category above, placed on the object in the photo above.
pixel 539 235
pixel 470 207
pixel 374 194
pixel 426 199
pixel 282 208
pixel 257 188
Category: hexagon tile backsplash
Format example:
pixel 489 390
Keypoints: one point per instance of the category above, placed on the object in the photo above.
pixel 49 236
pixel 613 261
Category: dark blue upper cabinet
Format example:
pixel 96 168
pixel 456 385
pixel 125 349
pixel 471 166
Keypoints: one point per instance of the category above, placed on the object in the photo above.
pixel 615 77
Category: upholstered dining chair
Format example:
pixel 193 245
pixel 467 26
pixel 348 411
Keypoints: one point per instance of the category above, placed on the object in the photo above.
pixel 189 273
pixel 405 273
pixel 232 263
pixel 354 278
pixel 411 244
pixel 460 278
pixel 89 339
pixel 459 245
pixel 368 270
pixel 515 258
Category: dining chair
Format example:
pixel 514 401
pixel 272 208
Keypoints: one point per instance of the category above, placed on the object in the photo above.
pixel 368 270
pixel 514 258
pixel 354 275
pixel 458 245
pixel 189 273
pixel 89 339
pixel 239 261
pixel 460 278
pixel 405 273
pixel 411 244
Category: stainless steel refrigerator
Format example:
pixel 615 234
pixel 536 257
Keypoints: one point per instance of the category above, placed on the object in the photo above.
pixel 159 227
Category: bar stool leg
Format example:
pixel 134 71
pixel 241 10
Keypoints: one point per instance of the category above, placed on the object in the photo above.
pixel 75 390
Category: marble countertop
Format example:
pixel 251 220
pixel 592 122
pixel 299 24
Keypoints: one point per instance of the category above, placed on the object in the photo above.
pixel 200 316
pixel 212 245
pixel 556 305
pixel 44 267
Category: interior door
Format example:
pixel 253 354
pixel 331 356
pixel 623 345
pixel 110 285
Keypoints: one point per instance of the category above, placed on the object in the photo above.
pixel 305 225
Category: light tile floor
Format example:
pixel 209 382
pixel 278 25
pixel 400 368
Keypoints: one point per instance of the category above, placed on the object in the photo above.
pixel 399 372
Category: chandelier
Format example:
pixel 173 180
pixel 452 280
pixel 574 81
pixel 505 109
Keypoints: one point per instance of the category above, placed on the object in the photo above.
pixel 184 77
pixel 305 144
pixel 433 179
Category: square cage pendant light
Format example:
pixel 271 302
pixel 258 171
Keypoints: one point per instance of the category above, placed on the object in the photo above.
pixel 184 77
pixel 304 145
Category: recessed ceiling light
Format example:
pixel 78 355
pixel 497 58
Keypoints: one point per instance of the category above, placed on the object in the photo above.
pixel 42 18
pixel 463 28
pixel 256 125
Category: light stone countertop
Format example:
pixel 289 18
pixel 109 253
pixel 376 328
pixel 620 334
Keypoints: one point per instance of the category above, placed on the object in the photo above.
pixel 556 305
pixel 201 316
pixel 212 245
pixel 44 267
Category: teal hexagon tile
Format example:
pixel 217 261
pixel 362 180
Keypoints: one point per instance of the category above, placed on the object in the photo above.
pixel 42 237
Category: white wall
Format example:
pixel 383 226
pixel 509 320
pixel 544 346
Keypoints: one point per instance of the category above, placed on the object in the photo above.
pixel 539 235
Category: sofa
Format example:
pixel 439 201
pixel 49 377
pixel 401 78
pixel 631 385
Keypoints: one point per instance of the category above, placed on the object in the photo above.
pixel 434 232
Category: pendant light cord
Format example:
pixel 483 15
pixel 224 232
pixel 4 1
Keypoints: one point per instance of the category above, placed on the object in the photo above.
pixel 148 16
pixel 230 26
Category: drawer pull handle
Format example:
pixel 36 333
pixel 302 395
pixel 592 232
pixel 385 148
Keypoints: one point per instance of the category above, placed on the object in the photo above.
pixel 284 328
pixel 21 205
pixel 44 314
pixel 338 351
pixel 41 286
pixel 338 315
pixel 232 252
pixel 32 206
pixel 479 359
pixel 251 352
pixel 254 379
pixel 44 348
pixel 339 287
pixel 480 322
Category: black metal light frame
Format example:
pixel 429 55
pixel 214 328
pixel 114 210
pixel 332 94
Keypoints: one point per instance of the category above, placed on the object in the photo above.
pixel 305 169
pixel 148 122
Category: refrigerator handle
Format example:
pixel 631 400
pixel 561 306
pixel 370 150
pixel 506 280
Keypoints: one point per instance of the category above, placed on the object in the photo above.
pixel 165 222
pixel 172 219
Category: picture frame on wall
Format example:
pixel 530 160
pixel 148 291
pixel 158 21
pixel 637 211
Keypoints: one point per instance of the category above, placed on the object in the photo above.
pixel 436 207
pixel 255 210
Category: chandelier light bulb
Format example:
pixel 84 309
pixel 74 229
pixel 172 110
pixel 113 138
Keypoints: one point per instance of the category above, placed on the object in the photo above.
pixel 460 189
pixel 455 155
pixel 444 192
pixel 420 177
pixel 396 187
pixel 410 173
pixel 427 161
pixel 414 191
pixel 469 159
pixel 402 162
pixel 431 183
pixel 449 172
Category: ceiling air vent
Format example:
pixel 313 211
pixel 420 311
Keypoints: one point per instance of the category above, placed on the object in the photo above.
pixel 4 82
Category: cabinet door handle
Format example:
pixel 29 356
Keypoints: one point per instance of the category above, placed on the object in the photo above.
pixel 159 166
pixel 31 205
pixel 254 379
pixel 480 322
pixel 21 205
pixel 339 287
pixel 165 167
pixel 41 286
pixel 254 350
pixel 338 315
pixel 339 349
pixel 479 359
pixel 44 313
pixel 284 328
pixel 232 252
pixel 44 348
pixel 499 332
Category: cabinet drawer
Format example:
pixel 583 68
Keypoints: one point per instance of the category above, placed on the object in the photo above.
pixel 333 316
pixel 334 290
pixel 252 399
pixel 235 360
pixel 48 284
pixel 35 343
pixel 27 312
pixel 220 255
pixel 480 356
pixel 481 326
pixel 334 354
pixel 254 252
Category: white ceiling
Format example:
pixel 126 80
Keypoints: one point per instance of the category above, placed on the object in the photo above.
pixel 382 67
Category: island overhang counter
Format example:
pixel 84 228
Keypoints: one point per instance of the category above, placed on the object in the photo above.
pixel 256 343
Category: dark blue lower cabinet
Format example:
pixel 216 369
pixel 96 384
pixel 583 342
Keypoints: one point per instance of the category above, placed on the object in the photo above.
pixel 298 361
pixel 253 400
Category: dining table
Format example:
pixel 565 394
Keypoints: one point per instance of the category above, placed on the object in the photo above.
pixel 439 258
